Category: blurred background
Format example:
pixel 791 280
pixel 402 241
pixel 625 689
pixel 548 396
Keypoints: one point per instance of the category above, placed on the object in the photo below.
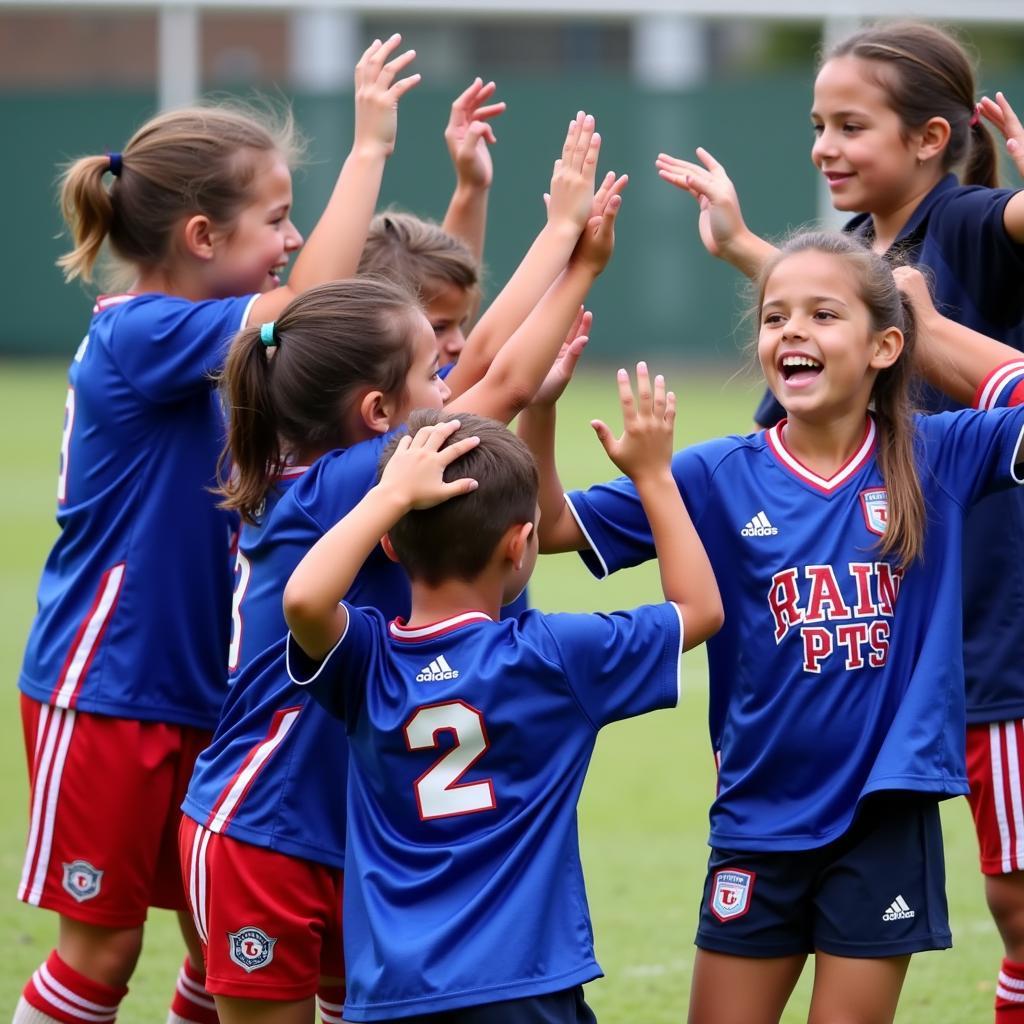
pixel 77 78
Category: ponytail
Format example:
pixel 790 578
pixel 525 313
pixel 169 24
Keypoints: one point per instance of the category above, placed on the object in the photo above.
pixel 331 345
pixel 88 211
pixel 982 167
pixel 891 395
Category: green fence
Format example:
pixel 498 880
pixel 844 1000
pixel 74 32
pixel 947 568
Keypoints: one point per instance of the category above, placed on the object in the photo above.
pixel 661 294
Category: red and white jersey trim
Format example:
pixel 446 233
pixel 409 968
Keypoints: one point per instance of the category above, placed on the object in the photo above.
pixel 400 631
pixel 826 484
pixel 87 639
pixel 197 882
pixel 53 737
pixel 1007 793
pixel 106 301
pixel 290 472
pixel 1008 375
pixel 235 791
pixel 62 998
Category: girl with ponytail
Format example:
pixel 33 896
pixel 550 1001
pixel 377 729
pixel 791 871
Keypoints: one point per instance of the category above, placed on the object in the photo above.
pixel 836 684
pixel 123 674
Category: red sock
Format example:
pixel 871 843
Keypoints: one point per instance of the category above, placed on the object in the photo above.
pixel 62 993
pixel 1010 993
pixel 191 1000
pixel 332 1002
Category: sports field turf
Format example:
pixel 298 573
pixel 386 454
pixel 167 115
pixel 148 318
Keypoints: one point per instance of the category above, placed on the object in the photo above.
pixel 643 815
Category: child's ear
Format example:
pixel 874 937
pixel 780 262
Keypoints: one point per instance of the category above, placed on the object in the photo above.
pixel 518 542
pixel 888 347
pixel 197 236
pixel 375 412
pixel 389 548
pixel 934 137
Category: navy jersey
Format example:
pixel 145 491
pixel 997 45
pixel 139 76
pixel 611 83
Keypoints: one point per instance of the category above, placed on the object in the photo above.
pixel 274 775
pixel 134 601
pixel 469 743
pixel 975 269
pixel 836 674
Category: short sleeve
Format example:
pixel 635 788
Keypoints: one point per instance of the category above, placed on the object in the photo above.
pixel 338 682
pixel 612 518
pixel 973 453
pixel 623 664
pixel 169 348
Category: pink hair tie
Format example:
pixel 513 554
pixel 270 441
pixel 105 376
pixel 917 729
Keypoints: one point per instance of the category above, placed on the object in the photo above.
pixel 975 119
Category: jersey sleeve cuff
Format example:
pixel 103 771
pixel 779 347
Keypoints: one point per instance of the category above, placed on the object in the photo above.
pixel 304 670
pixel 999 385
pixel 591 556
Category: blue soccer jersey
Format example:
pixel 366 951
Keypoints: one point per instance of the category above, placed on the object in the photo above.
pixel 470 740
pixel 975 270
pixel 134 601
pixel 836 674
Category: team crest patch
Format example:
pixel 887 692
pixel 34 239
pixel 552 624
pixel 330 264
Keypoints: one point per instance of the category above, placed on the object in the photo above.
pixel 875 505
pixel 731 892
pixel 251 948
pixel 82 880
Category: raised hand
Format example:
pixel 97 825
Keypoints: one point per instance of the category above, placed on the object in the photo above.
pixel 565 362
pixel 1002 115
pixel 377 94
pixel 468 134
pixel 721 221
pixel 415 472
pixel 645 447
pixel 597 241
pixel 572 181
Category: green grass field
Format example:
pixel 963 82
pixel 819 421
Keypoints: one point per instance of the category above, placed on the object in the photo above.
pixel 643 816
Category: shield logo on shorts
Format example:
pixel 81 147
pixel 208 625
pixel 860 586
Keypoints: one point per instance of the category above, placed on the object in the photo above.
pixel 875 504
pixel 731 892
pixel 251 948
pixel 82 880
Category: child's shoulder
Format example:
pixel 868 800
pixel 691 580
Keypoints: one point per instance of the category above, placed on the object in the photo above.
pixel 714 453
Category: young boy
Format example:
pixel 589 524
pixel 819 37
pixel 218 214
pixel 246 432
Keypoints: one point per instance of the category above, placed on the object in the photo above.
pixel 470 738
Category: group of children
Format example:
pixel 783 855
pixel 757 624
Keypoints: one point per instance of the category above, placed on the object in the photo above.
pixel 376 752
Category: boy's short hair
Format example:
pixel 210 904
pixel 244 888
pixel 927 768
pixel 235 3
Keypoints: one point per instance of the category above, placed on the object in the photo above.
pixel 456 539
pixel 417 254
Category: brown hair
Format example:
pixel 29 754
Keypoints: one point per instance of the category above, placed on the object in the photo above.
pixel 418 254
pixel 891 394
pixel 331 343
pixel 927 74
pixel 196 160
pixel 456 539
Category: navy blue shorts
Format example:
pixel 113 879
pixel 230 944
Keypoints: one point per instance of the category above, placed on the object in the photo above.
pixel 565 1007
pixel 878 890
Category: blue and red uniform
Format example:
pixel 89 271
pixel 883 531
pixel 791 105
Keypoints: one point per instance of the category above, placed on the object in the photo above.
pixel 469 741
pixel 837 675
pixel 125 659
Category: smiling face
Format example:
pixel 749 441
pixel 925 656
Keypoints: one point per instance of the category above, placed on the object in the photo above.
pixel 255 249
pixel 424 389
pixel 861 147
pixel 816 344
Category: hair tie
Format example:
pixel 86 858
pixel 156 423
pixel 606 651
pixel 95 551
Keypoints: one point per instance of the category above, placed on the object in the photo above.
pixel 116 163
pixel 975 119
pixel 269 335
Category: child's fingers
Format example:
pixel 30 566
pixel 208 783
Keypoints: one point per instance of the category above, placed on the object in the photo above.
pixel 469 95
pixel 487 112
pixel 478 130
pixel 1010 118
pixel 577 322
pixel 569 147
pixel 434 435
pixel 453 488
pixel 626 399
pixel 658 398
pixel 457 449
pixel 604 435
pixel 607 223
pixel 585 144
pixel 389 72
pixel 643 388
pixel 402 86
pixel 707 159
pixel 601 195
pixel 670 408
pixel 587 322
pixel 383 52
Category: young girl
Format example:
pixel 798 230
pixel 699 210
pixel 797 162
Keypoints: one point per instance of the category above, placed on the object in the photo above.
pixel 836 705
pixel 894 115
pixel 123 675
pixel 263 842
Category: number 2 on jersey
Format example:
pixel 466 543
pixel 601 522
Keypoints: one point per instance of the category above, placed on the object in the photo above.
pixel 438 791
pixel 242 573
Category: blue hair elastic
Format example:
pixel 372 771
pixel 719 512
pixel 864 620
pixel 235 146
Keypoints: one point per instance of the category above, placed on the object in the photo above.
pixel 268 334
pixel 116 163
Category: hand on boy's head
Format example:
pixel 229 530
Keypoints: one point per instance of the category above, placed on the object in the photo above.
pixel 572 181
pixel 377 94
pixel 415 472
pixel 645 447
pixel 468 134
pixel 565 362
pixel 999 113
pixel 720 217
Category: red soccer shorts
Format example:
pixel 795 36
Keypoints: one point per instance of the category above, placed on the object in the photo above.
pixel 270 924
pixel 995 755
pixel 104 809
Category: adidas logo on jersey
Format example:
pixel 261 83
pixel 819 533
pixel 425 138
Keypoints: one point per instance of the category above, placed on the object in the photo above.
pixel 436 671
pixel 898 910
pixel 759 527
